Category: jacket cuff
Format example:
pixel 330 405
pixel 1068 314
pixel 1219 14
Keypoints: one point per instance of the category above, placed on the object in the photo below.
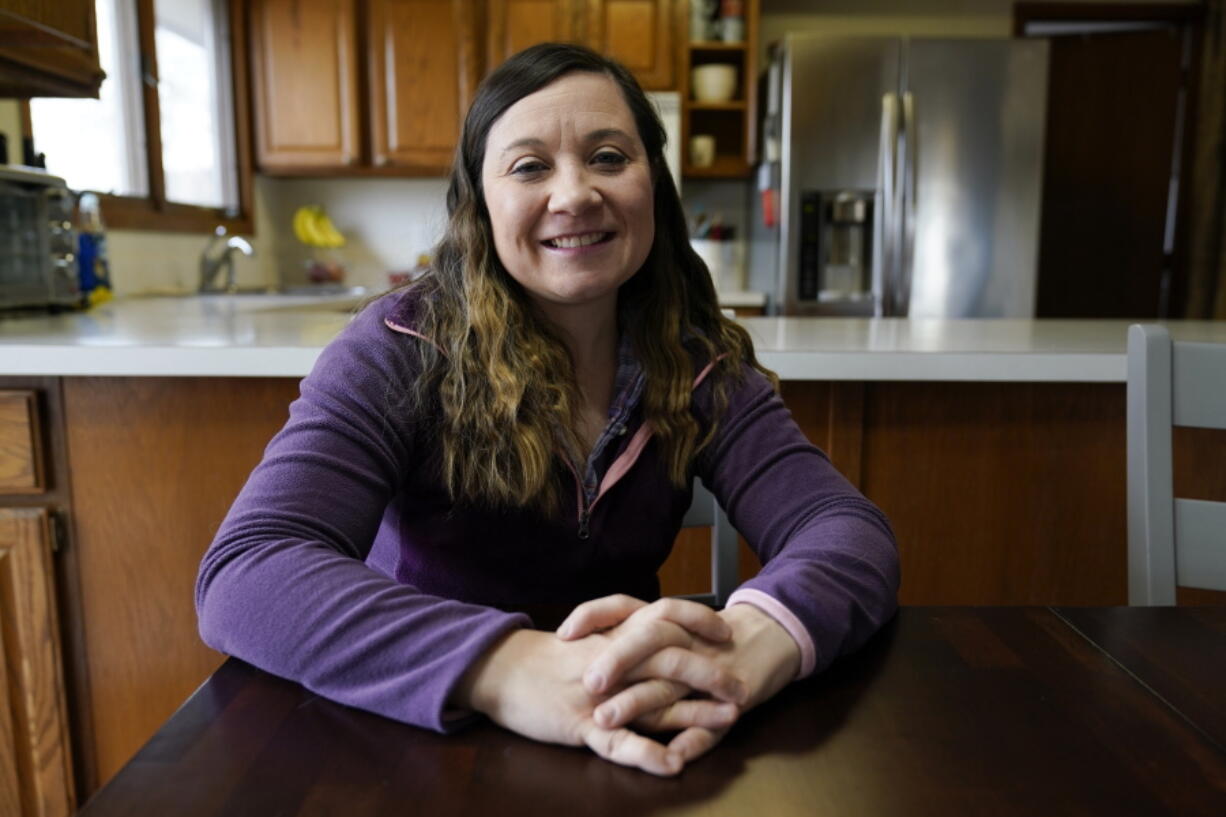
pixel 786 619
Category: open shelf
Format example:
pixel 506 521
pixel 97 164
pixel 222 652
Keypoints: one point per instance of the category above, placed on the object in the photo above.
pixel 733 105
pixel 732 122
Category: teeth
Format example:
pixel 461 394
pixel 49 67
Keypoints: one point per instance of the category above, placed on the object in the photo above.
pixel 571 241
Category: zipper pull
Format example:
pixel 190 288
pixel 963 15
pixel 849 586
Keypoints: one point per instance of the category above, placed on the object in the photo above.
pixel 584 532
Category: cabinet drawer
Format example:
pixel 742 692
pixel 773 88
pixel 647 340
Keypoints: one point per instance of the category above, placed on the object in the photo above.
pixel 21 460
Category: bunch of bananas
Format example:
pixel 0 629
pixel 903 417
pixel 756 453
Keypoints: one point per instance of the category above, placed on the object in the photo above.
pixel 313 227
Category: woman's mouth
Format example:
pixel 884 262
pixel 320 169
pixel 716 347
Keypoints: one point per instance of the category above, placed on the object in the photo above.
pixel 571 242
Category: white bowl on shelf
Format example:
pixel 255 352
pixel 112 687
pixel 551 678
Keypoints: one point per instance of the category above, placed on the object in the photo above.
pixel 715 82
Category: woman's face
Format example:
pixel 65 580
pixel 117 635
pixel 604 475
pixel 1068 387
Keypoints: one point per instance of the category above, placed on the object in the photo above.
pixel 568 187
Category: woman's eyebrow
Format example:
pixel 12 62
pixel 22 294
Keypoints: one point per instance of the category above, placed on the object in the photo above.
pixel 527 141
pixel 608 133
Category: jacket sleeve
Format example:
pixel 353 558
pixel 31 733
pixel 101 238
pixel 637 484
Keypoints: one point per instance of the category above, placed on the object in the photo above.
pixel 284 585
pixel 830 570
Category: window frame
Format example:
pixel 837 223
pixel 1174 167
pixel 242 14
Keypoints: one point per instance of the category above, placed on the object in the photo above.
pixel 153 211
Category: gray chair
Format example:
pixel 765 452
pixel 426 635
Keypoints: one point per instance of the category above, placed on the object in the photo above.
pixel 704 510
pixel 1171 541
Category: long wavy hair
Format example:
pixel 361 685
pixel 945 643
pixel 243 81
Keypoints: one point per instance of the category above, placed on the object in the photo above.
pixel 500 376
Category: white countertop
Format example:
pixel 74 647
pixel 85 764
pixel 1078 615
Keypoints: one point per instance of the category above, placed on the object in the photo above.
pixel 280 336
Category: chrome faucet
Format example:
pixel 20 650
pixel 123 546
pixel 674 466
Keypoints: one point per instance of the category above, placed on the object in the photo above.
pixel 211 263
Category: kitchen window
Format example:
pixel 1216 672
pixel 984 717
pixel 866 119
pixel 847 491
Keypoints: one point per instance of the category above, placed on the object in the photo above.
pixel 163 141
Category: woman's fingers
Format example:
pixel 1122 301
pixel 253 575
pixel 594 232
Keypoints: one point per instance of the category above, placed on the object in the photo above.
pixel 610 611
pixel 698 672
pixel 632 749
pixel 694 742
pixel 686 713
pixel 630 646
pixel 598 614
pixel 659 705
pixel 697 619
pixel 637 700
pixel 665 623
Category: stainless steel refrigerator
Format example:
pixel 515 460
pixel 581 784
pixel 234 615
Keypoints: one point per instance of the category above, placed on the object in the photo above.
pixel 901 176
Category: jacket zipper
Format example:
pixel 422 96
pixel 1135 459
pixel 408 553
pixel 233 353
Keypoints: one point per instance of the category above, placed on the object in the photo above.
pixel 585 511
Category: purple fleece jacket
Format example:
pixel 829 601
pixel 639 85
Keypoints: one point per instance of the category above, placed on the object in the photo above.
pixel 343 564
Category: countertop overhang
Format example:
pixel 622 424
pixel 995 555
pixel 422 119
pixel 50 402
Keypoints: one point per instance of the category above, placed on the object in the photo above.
pixel 281 336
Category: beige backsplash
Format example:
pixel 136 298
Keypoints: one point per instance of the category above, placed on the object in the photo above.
pixel 388 222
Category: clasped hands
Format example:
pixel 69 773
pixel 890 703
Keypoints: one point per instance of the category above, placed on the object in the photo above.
pixel 619 662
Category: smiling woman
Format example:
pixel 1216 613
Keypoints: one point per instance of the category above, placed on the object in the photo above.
pixel 518 431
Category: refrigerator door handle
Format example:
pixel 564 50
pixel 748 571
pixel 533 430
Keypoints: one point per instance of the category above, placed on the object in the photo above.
pixel 906 264
pixel 885 225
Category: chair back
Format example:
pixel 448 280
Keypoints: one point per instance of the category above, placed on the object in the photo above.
pixel 1171 541
pixel 705 511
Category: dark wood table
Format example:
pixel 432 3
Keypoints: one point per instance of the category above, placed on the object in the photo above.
pixel 948 711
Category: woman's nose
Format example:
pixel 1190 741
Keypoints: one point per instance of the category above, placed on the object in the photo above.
pixel 572 192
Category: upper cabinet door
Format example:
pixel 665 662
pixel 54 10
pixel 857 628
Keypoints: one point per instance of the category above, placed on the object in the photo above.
pixel 639 34
pixel 516 24
pixel 423 65
pixel 304 69
pixel 48 49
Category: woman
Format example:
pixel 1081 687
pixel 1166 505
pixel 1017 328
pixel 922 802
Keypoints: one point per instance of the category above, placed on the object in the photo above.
pixel 520 428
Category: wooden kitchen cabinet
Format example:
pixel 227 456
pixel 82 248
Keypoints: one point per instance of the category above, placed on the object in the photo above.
pixel 304 73
pixel 36 769
pixel 641 34
pixel 513 25
pixel 48 49
pixel 361 87
pixel 423 61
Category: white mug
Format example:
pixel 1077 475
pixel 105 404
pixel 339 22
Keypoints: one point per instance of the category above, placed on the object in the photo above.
pixel 702 150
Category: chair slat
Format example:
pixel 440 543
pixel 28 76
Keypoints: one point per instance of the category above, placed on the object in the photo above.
pixel 1200 530
pixel 1200 385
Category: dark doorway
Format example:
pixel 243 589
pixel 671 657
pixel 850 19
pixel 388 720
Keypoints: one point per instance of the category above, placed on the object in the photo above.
pixel 1110 237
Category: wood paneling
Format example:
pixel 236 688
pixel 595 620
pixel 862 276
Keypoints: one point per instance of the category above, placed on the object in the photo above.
pixel 156 463
pixel 304 69
pixel 1001 493
pixel 1199 463
pixel 35 760
pixel 21 469
pixel 423 73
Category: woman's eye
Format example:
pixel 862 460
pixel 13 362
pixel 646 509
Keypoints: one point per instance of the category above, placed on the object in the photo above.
pixel 609 158
pixel 525 168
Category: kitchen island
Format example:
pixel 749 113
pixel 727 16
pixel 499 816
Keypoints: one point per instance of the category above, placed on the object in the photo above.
pixel 281 335
pixel 996 448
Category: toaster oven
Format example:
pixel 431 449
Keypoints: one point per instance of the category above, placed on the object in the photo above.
pixel 38 244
